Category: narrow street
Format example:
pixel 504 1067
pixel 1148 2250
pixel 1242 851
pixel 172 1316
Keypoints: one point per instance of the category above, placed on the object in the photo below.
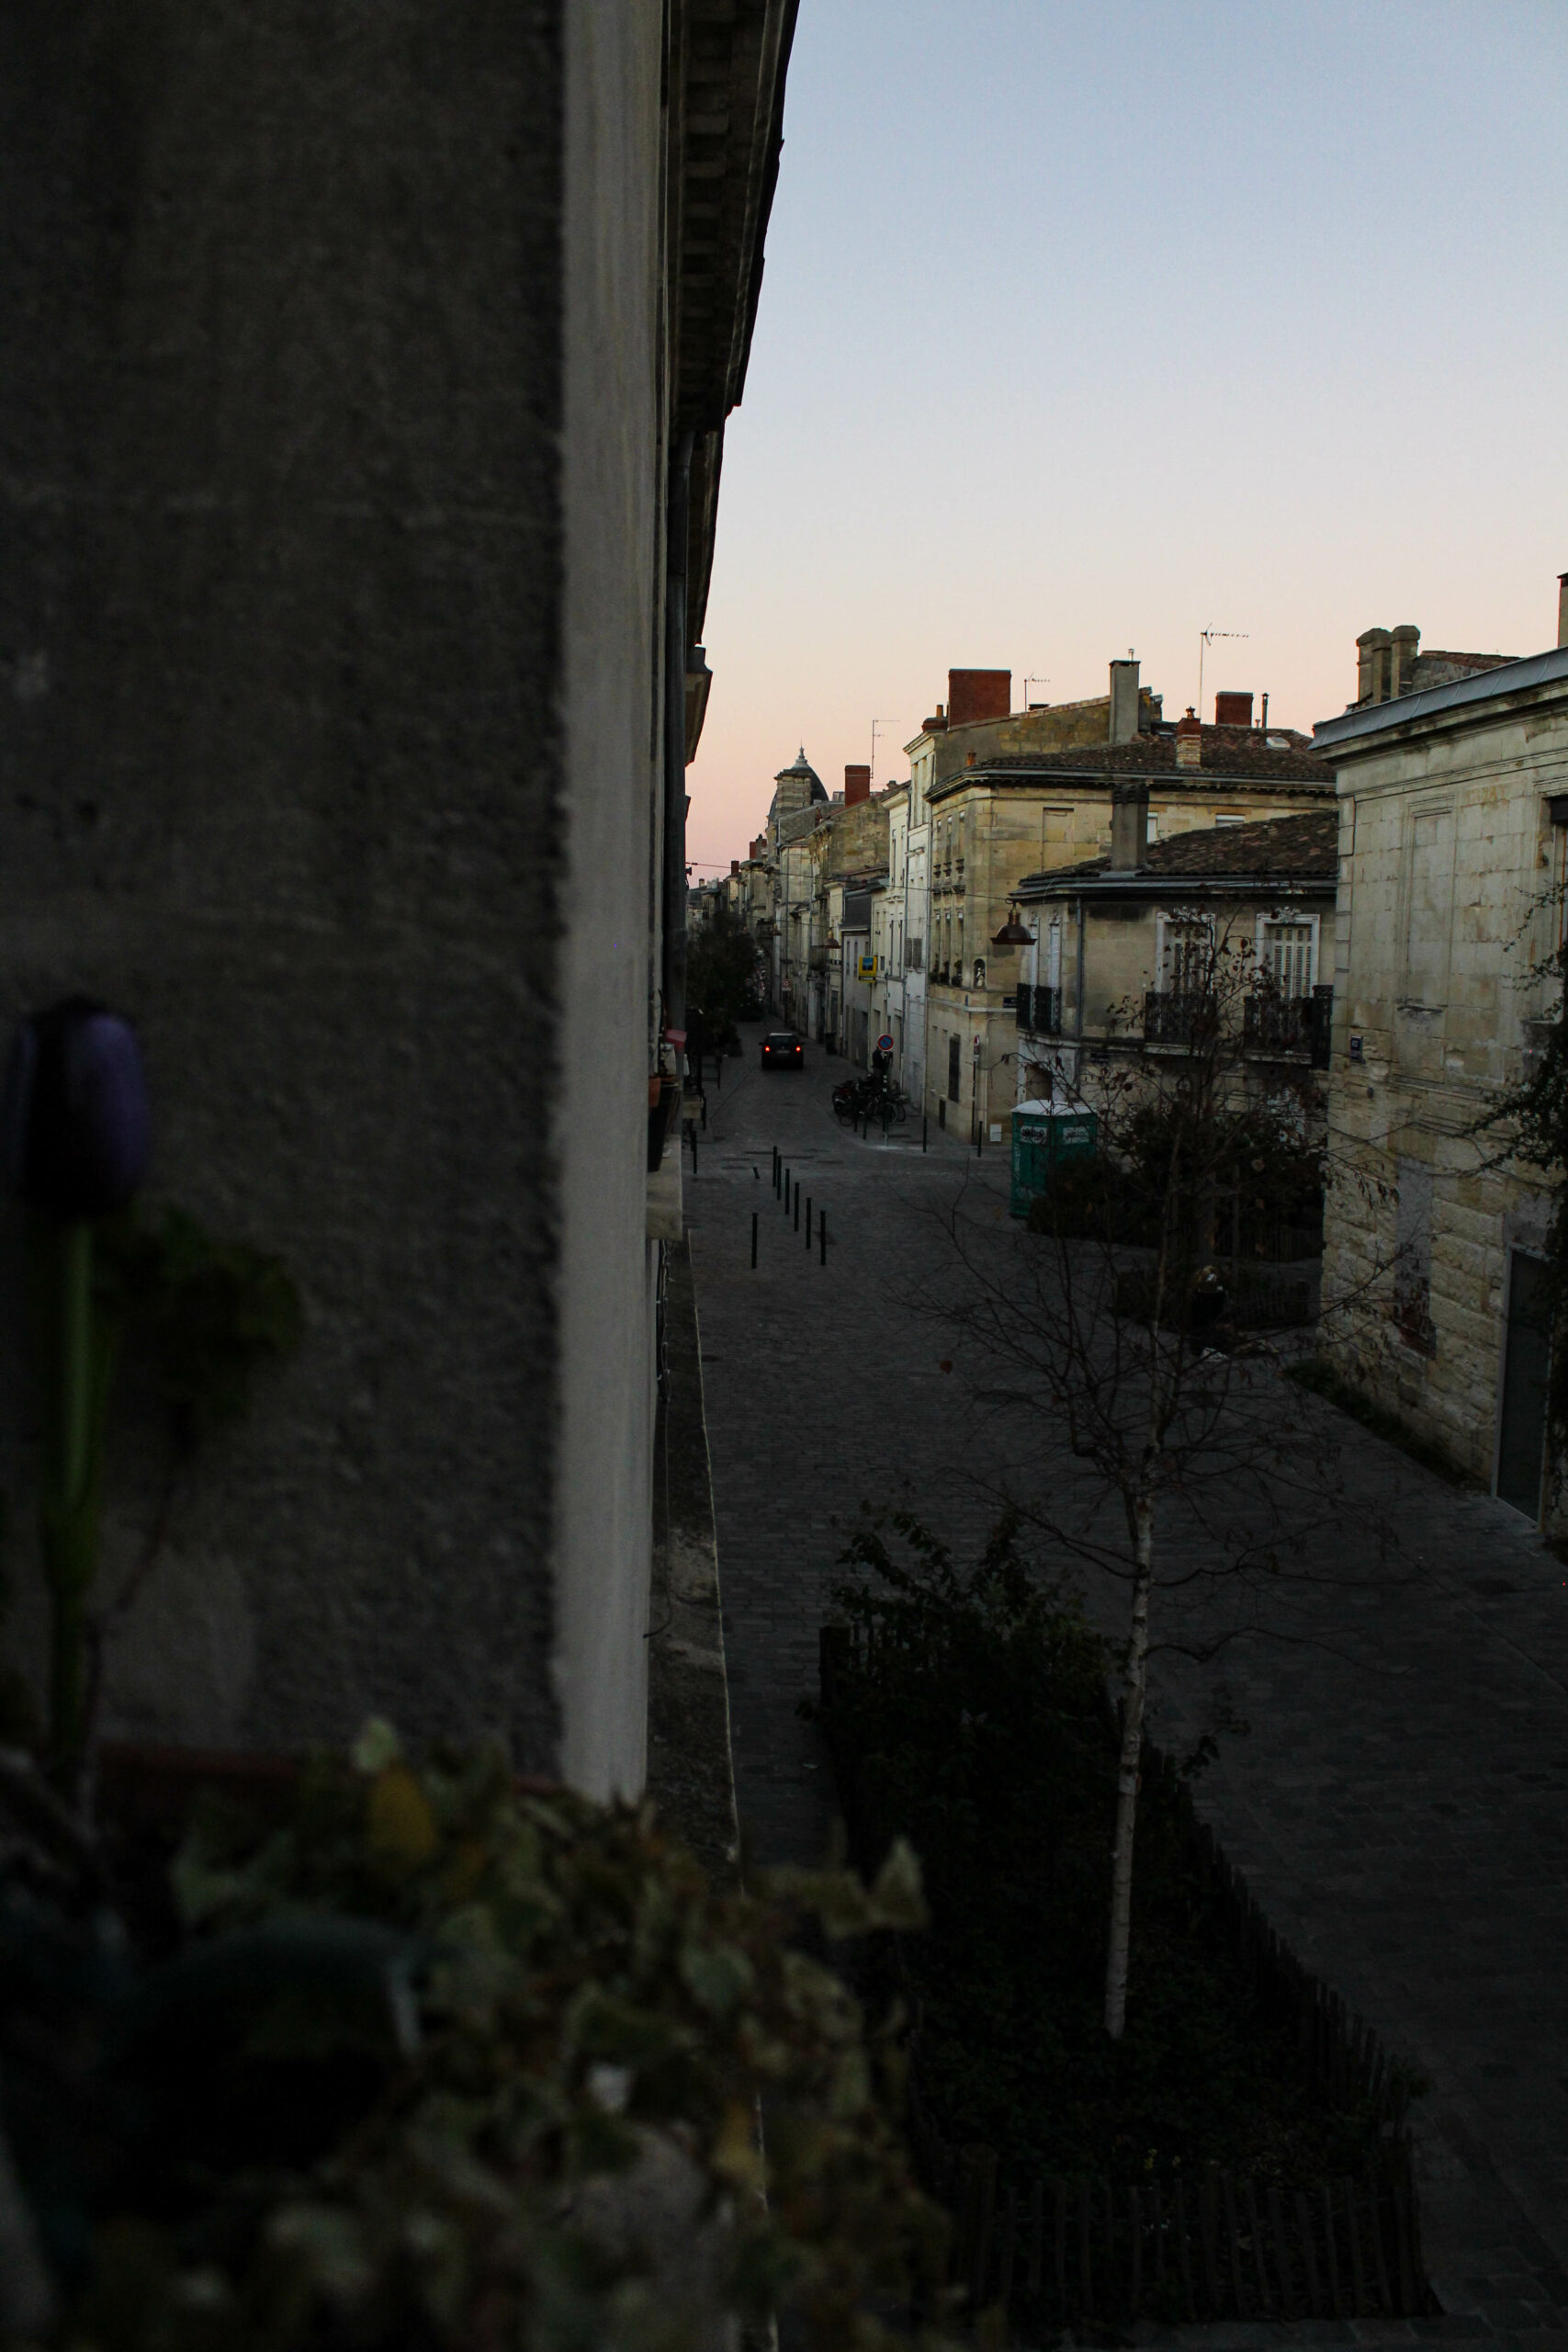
pixel 823 1392
pixel 1399 1805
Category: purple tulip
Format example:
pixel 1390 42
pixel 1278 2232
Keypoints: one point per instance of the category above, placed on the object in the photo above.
pixel 74 1122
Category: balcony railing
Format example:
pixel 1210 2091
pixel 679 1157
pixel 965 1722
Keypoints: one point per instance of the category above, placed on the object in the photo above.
pixel 1172 1019
pixel 1290 1024
pixel 1040 1009
pixel 1269 1023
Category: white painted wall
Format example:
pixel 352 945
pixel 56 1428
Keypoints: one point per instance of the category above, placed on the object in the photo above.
pixel 613 468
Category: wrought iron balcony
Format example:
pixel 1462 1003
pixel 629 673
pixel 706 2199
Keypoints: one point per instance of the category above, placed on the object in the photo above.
pixel 1173 1019
pixel 1290 1024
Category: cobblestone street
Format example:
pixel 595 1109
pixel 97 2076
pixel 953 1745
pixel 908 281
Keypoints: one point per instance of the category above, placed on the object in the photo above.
pixel 1399 1805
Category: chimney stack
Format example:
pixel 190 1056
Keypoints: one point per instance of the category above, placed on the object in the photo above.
pixel 1374 655
pixel 1563 608
pixel 857 786
pixel 1404 643
pixel 1125 701
pixel 975 695
pixel 734 865
pixel 1188 740
pixel 1233 711
pixel 1128 825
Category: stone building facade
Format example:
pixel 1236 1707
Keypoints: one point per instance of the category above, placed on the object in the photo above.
pixel 364 404
pixel 1002 797
pixel 1453 816
pixel 814 853
pixel 1116 938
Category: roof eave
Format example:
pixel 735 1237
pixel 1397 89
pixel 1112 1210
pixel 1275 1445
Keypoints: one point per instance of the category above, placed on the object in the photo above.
pixel 1515 683
pixel 1143 884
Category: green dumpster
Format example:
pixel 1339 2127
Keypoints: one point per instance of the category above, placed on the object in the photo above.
pixel 1045 1135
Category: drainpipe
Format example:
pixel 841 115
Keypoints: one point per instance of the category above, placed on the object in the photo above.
pixel 676 534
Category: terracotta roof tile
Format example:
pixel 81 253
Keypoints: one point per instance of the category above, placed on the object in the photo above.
pixel 1303 848
pixel 1235 754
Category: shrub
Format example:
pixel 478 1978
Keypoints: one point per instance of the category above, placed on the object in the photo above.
pixel 970 1714
pixel 436 2062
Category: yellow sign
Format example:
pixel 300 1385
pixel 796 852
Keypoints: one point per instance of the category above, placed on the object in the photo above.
pixel 866 969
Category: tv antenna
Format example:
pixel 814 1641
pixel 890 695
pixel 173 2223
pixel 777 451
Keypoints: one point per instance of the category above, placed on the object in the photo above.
pixel 875 732
pixel 1207 636
pixel 1032 679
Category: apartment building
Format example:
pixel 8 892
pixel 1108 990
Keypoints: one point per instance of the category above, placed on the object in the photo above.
pixel 1453 846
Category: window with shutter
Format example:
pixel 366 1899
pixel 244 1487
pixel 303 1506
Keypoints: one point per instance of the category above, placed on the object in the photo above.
pixel 1287 955
pixel 1186 956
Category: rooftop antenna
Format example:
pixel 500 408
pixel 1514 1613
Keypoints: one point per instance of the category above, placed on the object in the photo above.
pixel 1032 679
pixel 1206 637
pixel 875 732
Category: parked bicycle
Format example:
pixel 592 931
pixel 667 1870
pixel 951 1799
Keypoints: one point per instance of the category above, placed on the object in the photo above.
pixel 851 1097
pixel 858 1100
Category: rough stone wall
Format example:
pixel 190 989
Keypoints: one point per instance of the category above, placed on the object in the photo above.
pixel 1060 729
pixel 854 839
pixel 1431 977
pixel 280 597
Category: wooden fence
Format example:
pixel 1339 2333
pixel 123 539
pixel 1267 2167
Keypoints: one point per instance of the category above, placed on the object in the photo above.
pixel 1195 2247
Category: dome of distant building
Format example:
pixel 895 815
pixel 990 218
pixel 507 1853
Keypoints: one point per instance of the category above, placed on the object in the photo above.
pixel 805 777
pixel 795 788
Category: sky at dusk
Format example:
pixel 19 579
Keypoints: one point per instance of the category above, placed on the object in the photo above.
pixel 1085 327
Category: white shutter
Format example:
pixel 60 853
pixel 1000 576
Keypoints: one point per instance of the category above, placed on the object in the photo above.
pixel 1288 954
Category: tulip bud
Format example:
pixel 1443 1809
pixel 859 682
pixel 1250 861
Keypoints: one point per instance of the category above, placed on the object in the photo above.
pixel 73 1128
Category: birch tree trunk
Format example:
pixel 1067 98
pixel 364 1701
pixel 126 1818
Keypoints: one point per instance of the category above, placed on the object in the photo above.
pixel 1133 1686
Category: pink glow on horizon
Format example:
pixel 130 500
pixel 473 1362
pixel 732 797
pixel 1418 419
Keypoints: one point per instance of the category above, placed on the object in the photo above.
pixel 1081 331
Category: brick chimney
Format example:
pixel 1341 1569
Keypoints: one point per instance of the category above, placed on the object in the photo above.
pixel 1130 823
pixel 936 724
pixel 857 786
pixel 1125 701
pixel 735 865
pixel 1188 740
pixel 977 694
pixel 1233 711
pixel 1563 608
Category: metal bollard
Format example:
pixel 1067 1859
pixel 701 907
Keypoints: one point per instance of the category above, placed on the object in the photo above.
pixel 797 1208
pixel 753 1241
pixel 808 1221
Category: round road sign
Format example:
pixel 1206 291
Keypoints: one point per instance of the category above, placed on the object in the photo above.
pixel 885 1044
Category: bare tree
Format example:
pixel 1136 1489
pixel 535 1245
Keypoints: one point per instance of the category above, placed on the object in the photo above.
pixel 1135 1311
